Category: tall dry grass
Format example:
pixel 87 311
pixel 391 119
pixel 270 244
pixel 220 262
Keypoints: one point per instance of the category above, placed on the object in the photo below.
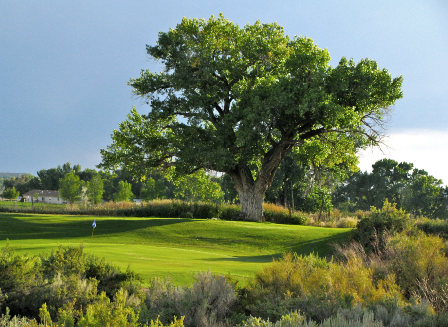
pixel 181 209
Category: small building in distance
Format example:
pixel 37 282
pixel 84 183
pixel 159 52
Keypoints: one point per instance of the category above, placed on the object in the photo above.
pixel 44 196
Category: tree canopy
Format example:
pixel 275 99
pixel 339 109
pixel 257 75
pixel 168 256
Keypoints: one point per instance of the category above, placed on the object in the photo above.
pixel 11 193
pixel 238 99
pixel 124 192
pixel 95 189
pixel 70 187
pixel 409 188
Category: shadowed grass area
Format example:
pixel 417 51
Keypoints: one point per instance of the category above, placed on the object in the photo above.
pixel 169 247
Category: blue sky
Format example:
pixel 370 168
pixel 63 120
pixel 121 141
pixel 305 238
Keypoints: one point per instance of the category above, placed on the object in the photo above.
pixel 64 67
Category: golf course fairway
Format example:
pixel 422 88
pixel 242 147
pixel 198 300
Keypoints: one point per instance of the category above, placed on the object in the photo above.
pixel 169 247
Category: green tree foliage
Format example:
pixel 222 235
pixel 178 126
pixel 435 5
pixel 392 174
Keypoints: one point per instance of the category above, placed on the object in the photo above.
pixel 228 187
pixel 11 193
pixel 87 174
pixel 306 184
pixel 245 97
pixel 124 192
pixel 95 189
pixel 112 179
pixel 108 179
pixel 373 230
pixel 426 196
pixel 197 187
pixel 410 188
pixel 70 187
pixel 23 183
pixel 153 189
pixel 50 177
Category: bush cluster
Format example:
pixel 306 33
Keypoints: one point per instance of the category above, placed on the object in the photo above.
pixel 404 286
pixel 316 287
pixel 438 227
pixel 67 280
pixel 281 215
pixel 374 228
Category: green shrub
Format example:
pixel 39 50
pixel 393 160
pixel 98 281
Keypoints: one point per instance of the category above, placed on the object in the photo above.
pixel 436 227
pixel 354 317
pixel 367 320
pixel 390 314
pixel 70 261
pixel 374 228
pixel 20 276
pixel 296 320
pixel 7 321
pixel 281 215
pixel 66 277
pixel 106 313
pixel 290 320
pixel 174 323
pixel 110 277
pixel 347 222
pixel 228 211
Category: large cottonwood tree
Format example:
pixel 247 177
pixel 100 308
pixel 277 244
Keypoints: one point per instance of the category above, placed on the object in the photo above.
pixel 237 99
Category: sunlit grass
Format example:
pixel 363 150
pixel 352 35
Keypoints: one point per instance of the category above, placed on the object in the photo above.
pixel 169 247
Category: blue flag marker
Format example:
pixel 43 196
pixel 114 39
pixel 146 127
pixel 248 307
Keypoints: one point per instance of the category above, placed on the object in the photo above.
pixel 93 225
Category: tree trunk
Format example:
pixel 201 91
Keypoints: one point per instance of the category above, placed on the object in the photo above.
pixel 252 190
pixel 252 203
pixel 292 197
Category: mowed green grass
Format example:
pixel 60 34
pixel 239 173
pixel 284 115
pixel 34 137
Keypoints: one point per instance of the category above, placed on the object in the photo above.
pixel 165 247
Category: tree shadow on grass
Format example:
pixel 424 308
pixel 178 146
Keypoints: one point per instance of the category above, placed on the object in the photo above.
pixel 26 227
pixel 321 247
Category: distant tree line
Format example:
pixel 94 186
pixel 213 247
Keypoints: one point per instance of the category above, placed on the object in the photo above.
pixel 412 189
pixel 75 184
pixel 310 187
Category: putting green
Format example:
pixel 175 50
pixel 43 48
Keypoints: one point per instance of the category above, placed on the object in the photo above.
pixel 161 247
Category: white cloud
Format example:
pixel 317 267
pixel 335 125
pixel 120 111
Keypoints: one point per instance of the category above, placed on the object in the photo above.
pixel 426 149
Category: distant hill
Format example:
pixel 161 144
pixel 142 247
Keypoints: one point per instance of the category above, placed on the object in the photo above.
pixel 9 175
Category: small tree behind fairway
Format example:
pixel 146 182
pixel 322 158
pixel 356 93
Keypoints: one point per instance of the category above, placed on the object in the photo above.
pixel 11 193
pixel 237 100
pixel 95 189
pixel 124 192
pixel 153 189
pixel 70 187
pixel 197 187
